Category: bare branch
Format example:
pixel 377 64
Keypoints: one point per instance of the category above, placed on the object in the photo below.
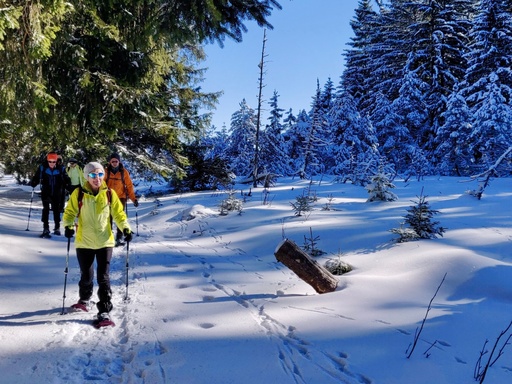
pixel 418 331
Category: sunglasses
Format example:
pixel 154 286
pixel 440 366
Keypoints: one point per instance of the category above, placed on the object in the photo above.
pixel 93 175
pixel 51 162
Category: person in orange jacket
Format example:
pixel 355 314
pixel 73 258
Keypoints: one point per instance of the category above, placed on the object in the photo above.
pixel 118 178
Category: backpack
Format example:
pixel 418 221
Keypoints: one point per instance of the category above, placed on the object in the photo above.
pixel 121 170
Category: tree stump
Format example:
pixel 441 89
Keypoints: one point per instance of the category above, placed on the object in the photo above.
pixel 288 253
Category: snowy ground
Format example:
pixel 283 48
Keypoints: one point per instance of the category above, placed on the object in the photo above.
pixel 209 303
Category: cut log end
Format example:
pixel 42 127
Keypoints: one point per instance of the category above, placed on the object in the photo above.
pixel 308 270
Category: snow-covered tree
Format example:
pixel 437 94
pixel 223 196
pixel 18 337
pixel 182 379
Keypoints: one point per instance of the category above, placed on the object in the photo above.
pixel 273 155
pixel 391 42
pixel 488 81
pixel 419 218
pixel 295 138
pixel 379 187
pixel 436 59
pixel 216 141
pixel 324 104
pixel 491 135
pixel 452 154
pixel 355 144
pixel 314 140
pixel 358 58
pixel 411 109
pixel 240 149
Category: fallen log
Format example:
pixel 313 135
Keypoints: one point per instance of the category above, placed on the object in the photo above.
pixel 290 254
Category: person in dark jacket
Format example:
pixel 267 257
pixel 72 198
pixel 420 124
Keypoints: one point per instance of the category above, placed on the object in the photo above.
pixel 53 179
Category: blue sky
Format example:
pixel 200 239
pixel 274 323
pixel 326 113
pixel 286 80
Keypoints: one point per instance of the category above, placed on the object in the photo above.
pixel 306 44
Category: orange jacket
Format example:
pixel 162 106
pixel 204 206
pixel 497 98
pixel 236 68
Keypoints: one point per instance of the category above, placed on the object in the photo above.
pixel 120 182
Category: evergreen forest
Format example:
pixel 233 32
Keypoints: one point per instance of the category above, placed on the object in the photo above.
pixel 425 90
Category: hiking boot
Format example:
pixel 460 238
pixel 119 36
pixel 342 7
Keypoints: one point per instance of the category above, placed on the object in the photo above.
pixel 103 320
pixel 56 231
pixel 103 316
pixel 82 305
pixel 46 234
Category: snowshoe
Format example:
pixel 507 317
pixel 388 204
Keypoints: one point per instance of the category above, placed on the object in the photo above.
pixel 81 306
pixel 46 234
pixel 102 321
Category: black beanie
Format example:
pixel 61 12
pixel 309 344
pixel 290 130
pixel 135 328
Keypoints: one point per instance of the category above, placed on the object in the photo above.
pixel 114 156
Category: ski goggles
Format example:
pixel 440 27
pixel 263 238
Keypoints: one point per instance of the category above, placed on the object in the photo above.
pixel 93 175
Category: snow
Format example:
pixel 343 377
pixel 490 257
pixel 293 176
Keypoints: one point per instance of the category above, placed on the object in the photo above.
pixel 209 303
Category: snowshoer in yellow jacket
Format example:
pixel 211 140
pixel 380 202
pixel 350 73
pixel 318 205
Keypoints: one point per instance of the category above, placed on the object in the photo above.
pixel 75 173
pixel 94 203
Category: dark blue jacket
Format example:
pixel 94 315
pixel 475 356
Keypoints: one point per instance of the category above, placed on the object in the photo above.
pixel 53 181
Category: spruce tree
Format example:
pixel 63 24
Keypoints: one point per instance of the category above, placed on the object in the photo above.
pixel 273 156
pixel 380 185
pixel 95 76
pixel 436 59
pixel 419 218
pixel 452 154
pixel 487 86
pixel 357 78
pixel 355 144
pixel 240 149
pixel 296 137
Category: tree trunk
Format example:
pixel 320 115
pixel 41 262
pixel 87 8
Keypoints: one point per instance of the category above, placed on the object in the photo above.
pixel 256 160
pixel 288 253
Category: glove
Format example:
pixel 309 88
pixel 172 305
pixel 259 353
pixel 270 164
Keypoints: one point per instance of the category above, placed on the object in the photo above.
pixel 127 235
pixel 136 203
pixel 69 232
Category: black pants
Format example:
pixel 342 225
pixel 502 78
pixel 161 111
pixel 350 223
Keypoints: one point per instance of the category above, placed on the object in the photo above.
pixel 55 207
pixel 119 233
pixel 86 261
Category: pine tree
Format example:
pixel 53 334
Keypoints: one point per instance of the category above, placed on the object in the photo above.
pixel 296 137
pixel 355 144
pixel 395 141
pixel 325 104
pixel 488 81
pixel 379 187
pixel 357 78
pixel 440 29
pixel 95 76
pixel 419 218
pixel 309 163
pixel 411 109
pixel 391 43
pixel 273 157
pixel 491 135
pixel 240 149
pixel 452 151
pixel 216 141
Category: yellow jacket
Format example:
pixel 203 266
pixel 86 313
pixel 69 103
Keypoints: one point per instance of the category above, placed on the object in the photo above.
pixel 76 175
pixel 94 230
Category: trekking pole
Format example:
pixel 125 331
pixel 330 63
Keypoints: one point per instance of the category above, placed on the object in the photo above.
pixel 137 221
pixel 30 209
pixel 65 277
pixel 127 266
